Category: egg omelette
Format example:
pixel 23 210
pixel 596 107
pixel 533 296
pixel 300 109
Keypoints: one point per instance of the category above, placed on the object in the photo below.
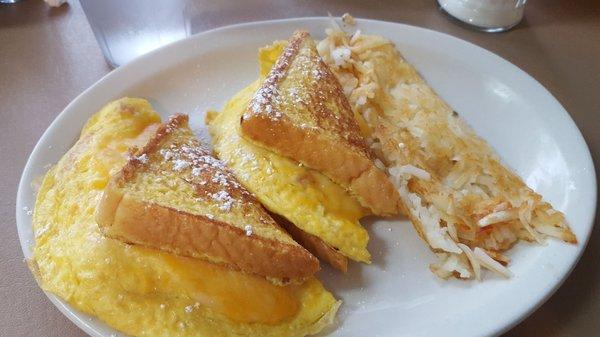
pixel 140 291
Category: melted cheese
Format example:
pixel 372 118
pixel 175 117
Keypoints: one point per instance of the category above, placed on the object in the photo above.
pixel 142 291
pixel 306 197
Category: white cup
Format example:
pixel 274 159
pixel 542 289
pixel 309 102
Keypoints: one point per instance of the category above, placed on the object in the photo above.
pixel 486 15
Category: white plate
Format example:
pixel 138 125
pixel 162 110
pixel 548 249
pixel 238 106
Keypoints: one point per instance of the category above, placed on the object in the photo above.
pixel 396 295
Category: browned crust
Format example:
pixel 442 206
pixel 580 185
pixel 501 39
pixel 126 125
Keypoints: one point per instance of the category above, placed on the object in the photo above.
pixel 315 245
pixel 341 153
pixel 126 218
pixel 348 168
pixel 186 234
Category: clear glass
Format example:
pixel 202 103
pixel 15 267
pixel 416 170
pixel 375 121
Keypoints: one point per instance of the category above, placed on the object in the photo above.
pixel 127 29
pixel 9 1
pixel 486 15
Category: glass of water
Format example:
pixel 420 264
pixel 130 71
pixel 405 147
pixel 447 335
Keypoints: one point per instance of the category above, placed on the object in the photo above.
pixel 127 29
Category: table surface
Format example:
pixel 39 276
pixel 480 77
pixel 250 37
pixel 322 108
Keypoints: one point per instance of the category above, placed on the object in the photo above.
pixel 49 56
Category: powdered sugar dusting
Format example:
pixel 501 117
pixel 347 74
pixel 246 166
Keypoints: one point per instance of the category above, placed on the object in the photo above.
pixel 211 178
pixel 262 102
pixel 143 158
pixel 180 164
pixel 267 98
pixel 196 171
pixel 220 178
pixel 301 79
pixel 224 199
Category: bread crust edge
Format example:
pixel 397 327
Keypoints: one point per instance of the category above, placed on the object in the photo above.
pixel 155 226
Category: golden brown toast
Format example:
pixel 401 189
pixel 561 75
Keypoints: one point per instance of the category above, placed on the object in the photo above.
pixel 306 197
pixel 300 112
pixel 173 195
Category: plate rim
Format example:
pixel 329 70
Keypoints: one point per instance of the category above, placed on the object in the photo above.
pixel 510 321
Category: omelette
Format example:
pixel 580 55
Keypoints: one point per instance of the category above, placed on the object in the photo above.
pixel 141 291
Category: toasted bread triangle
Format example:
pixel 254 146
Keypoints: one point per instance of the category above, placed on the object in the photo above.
pixel 306 197
pixel 301 112
pixel 173 195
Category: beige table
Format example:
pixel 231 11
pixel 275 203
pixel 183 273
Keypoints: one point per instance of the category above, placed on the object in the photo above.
pixel 49 56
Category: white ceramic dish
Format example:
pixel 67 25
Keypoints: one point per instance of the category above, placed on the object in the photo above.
pixel 396 295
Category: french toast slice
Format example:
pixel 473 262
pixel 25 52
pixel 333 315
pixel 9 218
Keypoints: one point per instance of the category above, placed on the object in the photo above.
pixel 173 195
pixel 301 112
pixel 305 197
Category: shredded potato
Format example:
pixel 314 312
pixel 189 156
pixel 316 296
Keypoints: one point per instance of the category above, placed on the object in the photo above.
pixel 462 201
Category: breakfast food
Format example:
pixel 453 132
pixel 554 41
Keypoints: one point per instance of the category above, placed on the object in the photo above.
pixel 143 291
pixel 139 225
pixel 462 201
pixel 175 196
pixel 310 113
pixel 305 197
pixel 300 112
